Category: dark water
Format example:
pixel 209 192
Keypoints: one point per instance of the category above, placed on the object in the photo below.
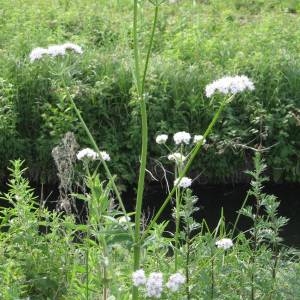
pixel 212 199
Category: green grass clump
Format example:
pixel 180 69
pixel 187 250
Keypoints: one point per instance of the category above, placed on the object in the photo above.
pixel 195 43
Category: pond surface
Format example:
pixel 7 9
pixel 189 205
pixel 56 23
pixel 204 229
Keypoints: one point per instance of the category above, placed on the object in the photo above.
pixel 213 198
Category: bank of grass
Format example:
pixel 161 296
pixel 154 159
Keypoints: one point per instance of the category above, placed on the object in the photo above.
pixel 196 42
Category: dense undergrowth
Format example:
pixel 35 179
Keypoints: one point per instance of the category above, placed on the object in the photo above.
pixel 48 255
pixel 195 42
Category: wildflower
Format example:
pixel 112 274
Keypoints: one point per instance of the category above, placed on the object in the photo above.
pixel 56 50
pixel 138 277
pixel 105 156
pixel 74 47
pixel 198 138
pixel 182 137
pixel 37 53
pixel 154 285
pixel 124 219
pixel 224 243
pixel 229 85
pixel 87 153
pixel 177 157
pixel 185 182
pixel 175 281
pixel 161 139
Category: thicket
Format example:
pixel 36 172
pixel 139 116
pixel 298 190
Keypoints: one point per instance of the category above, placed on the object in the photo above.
pixel 195 43
pixel 47 255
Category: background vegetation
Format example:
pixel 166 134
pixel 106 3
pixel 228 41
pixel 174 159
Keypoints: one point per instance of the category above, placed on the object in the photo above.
pixel 196 42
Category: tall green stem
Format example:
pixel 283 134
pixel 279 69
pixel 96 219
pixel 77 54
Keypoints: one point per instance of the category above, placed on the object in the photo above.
pixel 212 274
pixel 149 47
pixel 178 196
pixel 137 74
pixel 87 253
pixel 140 84
pixel 177 223
pixel 187 263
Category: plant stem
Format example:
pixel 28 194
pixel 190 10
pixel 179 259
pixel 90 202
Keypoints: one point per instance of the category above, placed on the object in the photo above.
pixel 140 85
pixel 177 223
pixel 105 289
pixel 187 263
pixel 255 246
pixel 212 287
pixel 239 215
pixel 149 48
pixel 87 253
pixel 87 271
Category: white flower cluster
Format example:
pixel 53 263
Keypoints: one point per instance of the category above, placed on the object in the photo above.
pixel 161 138
pixel 124 219
pixel 185 182
pixel 154 283
pixel 89 153
pixel 139 277
pixel 105 156
pixel 175 282
pixel 54 50
pixel 177 157
pixel 182 137
pixel 198 138
pixel 224 243
pixel 229 85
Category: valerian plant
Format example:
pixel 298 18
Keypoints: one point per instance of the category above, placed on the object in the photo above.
pixel 128 259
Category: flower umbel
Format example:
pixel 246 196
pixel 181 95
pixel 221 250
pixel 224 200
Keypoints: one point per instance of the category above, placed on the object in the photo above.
pixel 124 219
pixel 73 47
pixel 161 139
pixel 87 153
pixel 175 282
pixel 185 182
pixel 37 53
pixel 138 277
pixel 54 50
pixel 182 137
pixel 224 243
pixel 198 138
pixel 229 85
pixel 154 285
pixel 105 156
pixel 177 157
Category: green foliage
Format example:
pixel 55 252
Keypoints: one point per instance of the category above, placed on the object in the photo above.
pixel 265 241
pixel 45 255
pixel 35 244
pixel 194 44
